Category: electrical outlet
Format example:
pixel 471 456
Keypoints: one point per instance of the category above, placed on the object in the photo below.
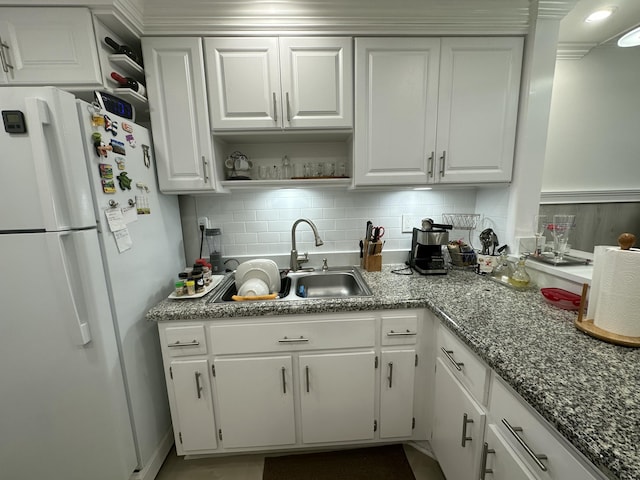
pixel 409 221
pixel 203 222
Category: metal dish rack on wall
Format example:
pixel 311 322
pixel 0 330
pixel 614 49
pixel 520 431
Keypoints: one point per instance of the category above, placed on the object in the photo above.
pixel 462 221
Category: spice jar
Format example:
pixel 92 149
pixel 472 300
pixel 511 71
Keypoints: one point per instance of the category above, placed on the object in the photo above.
pixel 179 288
pixel 191 287
pixel 199 281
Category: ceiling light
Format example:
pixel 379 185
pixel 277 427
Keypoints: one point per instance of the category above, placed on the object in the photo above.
pixel 599 15
pixel 423 188
pixel 631 39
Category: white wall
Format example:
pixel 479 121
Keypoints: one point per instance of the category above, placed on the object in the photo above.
pixel 259 222
pixel 594 129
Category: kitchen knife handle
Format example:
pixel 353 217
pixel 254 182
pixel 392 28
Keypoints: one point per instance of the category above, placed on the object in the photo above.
pixel 443 159
pixel 430 162
pixel 275 108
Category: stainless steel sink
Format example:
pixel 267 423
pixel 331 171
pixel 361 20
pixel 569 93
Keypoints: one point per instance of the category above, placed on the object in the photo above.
pixel 337 282
pixel 330 284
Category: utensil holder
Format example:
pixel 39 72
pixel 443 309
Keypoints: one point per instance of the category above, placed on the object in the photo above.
pixel 372 256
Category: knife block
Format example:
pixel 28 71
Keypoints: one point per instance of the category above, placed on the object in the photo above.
pixel 372 256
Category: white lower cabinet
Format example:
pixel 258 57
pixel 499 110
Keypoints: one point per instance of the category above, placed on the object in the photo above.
pixel 255 401
pixel 499 461
pixel 337 397
pixel 398 373
pixel 192 405
pixel 458 427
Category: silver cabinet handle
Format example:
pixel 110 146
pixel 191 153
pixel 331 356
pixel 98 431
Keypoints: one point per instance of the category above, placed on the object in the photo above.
pixel 204 169
pixel 5 64
pixel 306 369
pixel 284 381
pixel 430 160
pixel 288 108
pixel 443 159
pixel 193 343
pixel 390 377
pixel 198 386
pixel 275 108
pixel 535 456
pixel 293 340
pixel 465 421
pixel 448 354
pixel 483 463
pixel 408 333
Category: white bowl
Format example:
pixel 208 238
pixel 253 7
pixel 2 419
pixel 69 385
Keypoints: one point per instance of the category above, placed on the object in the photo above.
pixel 253 287
pixel 261 268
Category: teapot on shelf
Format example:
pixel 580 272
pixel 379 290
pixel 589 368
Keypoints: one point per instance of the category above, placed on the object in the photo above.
pixel 238 166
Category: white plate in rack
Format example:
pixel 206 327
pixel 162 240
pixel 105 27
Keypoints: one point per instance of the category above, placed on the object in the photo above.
pixel 263 269
pixel 215 280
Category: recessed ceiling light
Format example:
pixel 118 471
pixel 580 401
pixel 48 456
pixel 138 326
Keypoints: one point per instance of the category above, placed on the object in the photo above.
pixel 423 188
pixel 631 39
pixel 599 15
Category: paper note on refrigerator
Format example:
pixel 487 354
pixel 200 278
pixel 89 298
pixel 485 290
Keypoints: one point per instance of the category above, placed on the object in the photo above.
pixel 129 214
pixel 123 240
pixel 115 219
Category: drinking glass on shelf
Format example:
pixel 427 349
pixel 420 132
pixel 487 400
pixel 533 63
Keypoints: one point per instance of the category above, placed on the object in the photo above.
pixel 540 224
pixel 561 228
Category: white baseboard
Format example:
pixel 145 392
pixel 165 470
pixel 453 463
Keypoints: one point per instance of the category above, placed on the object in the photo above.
pixel 423 446
pixel 153 466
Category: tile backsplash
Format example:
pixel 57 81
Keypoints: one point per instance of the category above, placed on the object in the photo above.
pixel 259 222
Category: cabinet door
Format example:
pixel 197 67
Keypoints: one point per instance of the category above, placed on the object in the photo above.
pixel 396 393
pixel 458 425
pixel 500 462
pixel 396 110
pixel 49 46
pixel 255 401
pixel 477 109
pixel 317 82
pixel 337 396
pixel 243 77
pixel 194 405
pixel 178 109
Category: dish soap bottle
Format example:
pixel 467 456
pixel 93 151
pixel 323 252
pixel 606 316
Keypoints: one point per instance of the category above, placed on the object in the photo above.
pixel 520 278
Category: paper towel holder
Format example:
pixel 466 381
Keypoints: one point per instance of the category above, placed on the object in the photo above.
pixel 590 329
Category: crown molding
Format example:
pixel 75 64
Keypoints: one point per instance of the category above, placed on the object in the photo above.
pixel 574 51
pixel 552 9
pixel 589 196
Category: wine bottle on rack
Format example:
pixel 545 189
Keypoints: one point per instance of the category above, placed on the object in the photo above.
pixel 122 49
pixel 128 82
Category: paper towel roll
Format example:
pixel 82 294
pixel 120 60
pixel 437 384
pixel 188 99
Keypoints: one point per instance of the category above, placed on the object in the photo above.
pixel 614 301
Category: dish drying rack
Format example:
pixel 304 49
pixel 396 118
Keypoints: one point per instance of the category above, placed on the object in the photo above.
pixel 462 221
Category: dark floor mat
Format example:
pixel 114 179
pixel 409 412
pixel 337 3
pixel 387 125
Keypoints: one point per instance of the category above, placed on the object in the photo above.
pixel 376 463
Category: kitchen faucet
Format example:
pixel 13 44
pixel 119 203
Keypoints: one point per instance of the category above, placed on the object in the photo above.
pixel 295 260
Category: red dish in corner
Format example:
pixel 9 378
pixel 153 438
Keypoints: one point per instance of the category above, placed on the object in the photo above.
pixel 561 298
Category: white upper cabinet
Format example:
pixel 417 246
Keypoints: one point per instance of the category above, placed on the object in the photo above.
pixel 275 83
pixel 436 111
pixel 396 109
pixel 477 109
pixel 178 110
pixel 48 46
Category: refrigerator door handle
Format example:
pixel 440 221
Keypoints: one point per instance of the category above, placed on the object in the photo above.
pixel 37 109
pixel 74 285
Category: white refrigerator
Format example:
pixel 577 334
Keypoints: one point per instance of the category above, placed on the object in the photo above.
pixel 82 392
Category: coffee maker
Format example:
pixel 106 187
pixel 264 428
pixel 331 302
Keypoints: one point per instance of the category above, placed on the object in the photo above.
pixel 426 256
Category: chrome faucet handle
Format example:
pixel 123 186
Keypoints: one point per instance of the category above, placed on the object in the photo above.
pixel 325 267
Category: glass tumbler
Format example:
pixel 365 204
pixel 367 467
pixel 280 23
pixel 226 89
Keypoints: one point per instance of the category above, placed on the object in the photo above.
pixel 561 228
pixel 540 224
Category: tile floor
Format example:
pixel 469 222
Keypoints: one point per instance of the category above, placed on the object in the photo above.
pixel 249 467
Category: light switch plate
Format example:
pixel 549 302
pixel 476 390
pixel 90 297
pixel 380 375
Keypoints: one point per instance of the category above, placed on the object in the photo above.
pixel 410 221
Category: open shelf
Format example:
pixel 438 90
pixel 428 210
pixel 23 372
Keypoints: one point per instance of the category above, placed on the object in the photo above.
pixel 127 66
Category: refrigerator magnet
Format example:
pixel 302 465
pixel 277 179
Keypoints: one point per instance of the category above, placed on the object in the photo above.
pixel 120 162
pixel 101 148
pixel 106 171
pixel 142 205
pixel 146 156
pixel 127 127
pixel 118 147
pixel 97 120
pixel 108 186
pixel 124 181
pixel 131 140
pixel 110 126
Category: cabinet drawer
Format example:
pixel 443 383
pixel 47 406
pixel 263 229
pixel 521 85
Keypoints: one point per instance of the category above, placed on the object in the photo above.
pixel 521 427
pixel 292 336
pixel 183 341
pixel 399 329
pixel 464 364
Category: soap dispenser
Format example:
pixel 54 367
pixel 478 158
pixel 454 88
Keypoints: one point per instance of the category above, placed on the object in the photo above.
pixel 520 277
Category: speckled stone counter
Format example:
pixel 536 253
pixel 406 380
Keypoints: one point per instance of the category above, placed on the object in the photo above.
pixel 589 390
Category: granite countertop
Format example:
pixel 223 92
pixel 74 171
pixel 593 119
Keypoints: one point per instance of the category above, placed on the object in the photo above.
pixel 589 390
